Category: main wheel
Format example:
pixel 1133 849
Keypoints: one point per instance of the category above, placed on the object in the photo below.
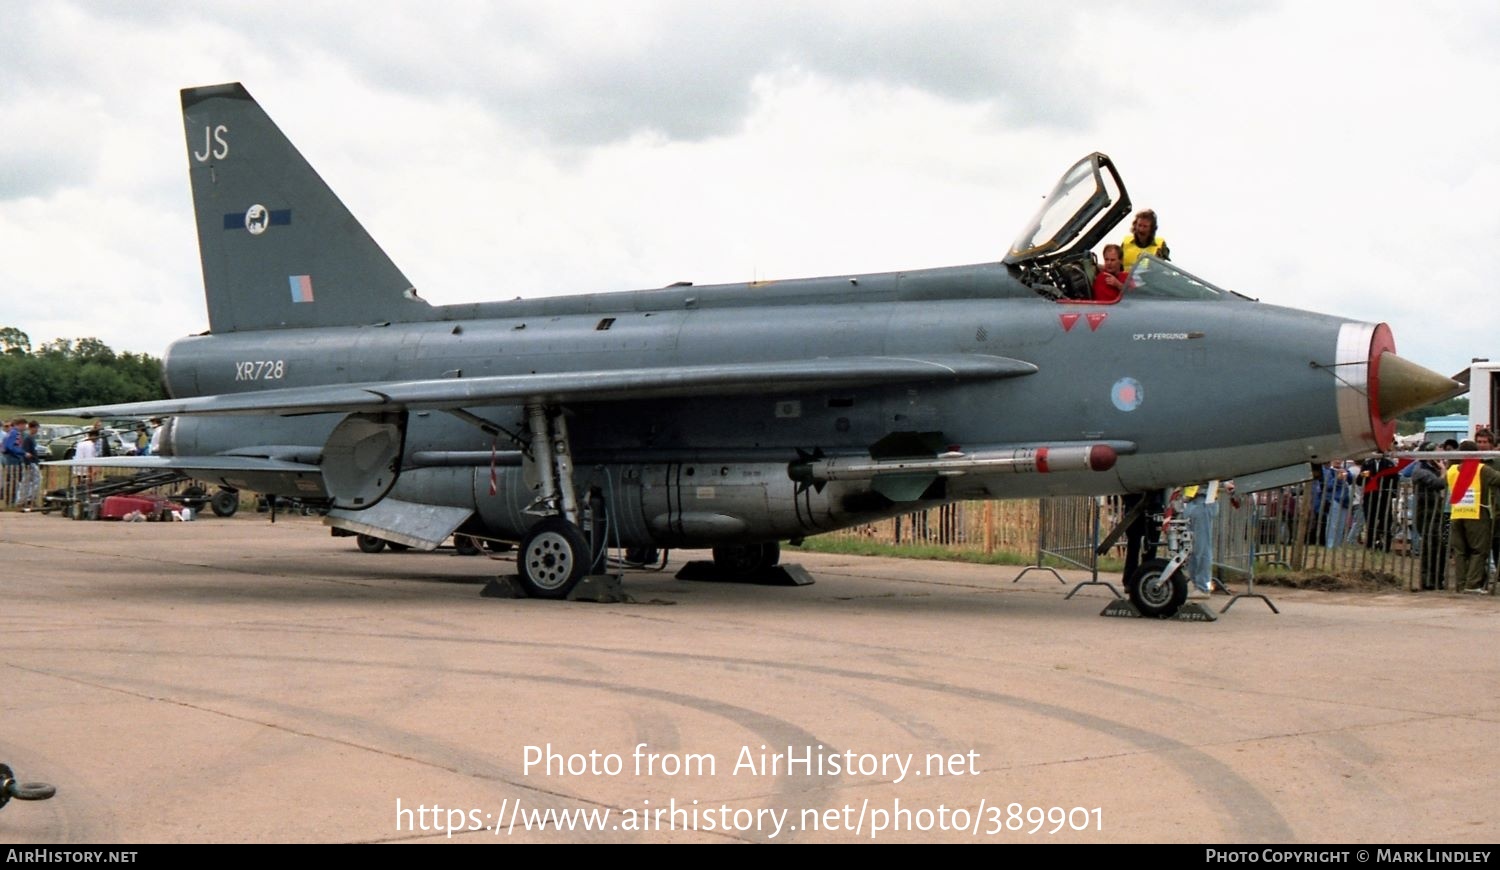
pixel 465 545
pixel 1155 595
pixel 370 543
pixel 745 561
pixel 642 556
pixel 225 503
pixel 554 557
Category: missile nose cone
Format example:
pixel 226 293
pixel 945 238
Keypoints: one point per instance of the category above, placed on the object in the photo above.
pixel 1401 386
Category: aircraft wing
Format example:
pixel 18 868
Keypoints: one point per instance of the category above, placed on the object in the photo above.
pixel 218 463
pixel 601 385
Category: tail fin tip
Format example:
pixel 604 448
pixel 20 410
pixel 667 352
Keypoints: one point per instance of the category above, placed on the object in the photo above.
pixel 278 247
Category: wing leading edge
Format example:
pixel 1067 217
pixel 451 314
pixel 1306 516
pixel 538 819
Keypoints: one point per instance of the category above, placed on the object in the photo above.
pixel 738 379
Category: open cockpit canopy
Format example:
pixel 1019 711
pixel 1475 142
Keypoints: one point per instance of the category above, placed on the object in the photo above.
pixel 1053 254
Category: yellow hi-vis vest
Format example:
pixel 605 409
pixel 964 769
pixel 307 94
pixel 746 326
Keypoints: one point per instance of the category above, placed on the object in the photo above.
pixel 1464 494
pixel 1211 491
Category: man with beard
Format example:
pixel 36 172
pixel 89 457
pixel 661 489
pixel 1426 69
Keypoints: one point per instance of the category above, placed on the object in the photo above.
pixel 1143 240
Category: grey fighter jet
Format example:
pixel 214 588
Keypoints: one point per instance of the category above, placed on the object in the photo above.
pixel 733 416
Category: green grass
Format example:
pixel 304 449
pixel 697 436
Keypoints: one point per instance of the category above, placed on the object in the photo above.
pixel 11 412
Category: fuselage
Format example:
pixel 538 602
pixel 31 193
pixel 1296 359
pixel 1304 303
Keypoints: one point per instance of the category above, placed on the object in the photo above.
pixel 1185 389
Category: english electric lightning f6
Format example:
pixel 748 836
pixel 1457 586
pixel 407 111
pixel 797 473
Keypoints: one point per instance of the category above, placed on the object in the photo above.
pixel 734 416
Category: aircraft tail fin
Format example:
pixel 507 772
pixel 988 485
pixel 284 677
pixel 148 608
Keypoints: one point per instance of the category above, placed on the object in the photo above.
pixel 278 247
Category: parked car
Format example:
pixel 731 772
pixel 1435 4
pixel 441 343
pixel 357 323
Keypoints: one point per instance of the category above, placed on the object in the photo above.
pixel 63 446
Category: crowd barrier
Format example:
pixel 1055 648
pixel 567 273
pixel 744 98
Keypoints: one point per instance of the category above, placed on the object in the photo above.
pixel 1383 538
pixel 54 488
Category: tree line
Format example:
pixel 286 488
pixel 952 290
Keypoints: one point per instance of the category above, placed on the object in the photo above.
pixel 65 372
pixel 1412 421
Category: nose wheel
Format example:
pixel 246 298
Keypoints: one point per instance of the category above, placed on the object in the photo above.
pixel 1154 592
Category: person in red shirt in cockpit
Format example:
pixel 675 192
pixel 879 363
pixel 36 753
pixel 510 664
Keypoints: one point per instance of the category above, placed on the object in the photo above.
pixel 1110 282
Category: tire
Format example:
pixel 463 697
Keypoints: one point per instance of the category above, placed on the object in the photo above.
pixel 1154 596
pixel 739 563
pixel 225 503
pixel 465 545
pixel 369 543
pixel 554 557
pixel 642 556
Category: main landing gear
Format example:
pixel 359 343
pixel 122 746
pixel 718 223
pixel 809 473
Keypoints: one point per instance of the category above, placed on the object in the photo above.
pixel 554 556
pixel 555 553
pixel 740 563
pixel 372 544
pixel 747 563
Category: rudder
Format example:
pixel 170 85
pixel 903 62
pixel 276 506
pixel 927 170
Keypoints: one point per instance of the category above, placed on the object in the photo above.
pixel 278 248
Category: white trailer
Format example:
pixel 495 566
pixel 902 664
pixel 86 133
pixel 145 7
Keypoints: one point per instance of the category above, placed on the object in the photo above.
pixel 1484 395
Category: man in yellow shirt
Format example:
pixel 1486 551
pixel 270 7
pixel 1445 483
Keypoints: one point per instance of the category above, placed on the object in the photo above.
pixel 1143 240
pixel 1469 488
pixel 1484 439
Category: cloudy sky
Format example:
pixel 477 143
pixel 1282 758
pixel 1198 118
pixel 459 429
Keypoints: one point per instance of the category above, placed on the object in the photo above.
pixel 1338 157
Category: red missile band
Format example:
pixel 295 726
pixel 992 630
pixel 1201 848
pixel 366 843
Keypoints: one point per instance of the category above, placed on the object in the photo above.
pixel 1100 457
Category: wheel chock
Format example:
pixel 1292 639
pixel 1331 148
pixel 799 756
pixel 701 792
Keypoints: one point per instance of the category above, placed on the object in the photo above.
pixel 599 588
pixel 503 586
pixel 1190 611
pixel 776 575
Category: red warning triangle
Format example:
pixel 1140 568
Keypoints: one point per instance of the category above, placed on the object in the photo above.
pixel 1094 320
pixel 1067 321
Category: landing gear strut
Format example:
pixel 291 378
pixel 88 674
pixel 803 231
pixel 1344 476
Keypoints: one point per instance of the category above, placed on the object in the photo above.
pixel 555 553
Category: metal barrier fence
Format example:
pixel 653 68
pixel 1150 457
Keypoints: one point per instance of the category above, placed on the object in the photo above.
pixel 1381 535
pixel 26 487
pixel 1385 537
pixel 1065 529
pixel 974 526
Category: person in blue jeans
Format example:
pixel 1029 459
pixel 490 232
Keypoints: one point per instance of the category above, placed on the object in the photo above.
pixel 1201 507
pixel 1337 480
pixel 13 456
pixel 31 470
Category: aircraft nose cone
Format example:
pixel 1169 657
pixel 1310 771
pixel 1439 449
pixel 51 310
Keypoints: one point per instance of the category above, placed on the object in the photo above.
pixel 1401 386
